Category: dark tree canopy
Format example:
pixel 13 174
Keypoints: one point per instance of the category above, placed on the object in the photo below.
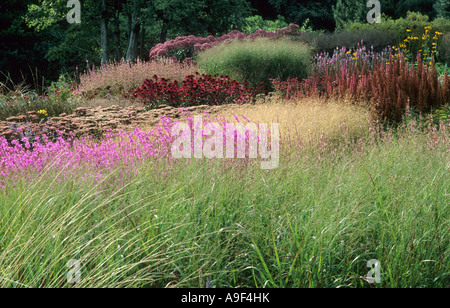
pixel 35 35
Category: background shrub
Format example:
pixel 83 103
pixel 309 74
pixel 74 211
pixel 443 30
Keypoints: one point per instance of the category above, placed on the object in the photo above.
pixel 258 61
pixel 413 25
pixel 256 22
pixel 444 49
pixel 328 42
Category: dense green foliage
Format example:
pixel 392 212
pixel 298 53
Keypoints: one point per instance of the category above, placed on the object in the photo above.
pixel 442 8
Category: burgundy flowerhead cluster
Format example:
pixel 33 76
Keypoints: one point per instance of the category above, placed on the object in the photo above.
pixel 195 90
pixel 184 47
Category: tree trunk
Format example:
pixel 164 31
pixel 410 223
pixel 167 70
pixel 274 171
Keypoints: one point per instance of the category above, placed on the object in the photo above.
pixel 141 49
pixel 117 35
pixel 104 33
pixel 164 29
pixel 133 41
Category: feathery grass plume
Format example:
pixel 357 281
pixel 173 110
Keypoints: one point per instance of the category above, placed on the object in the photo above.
pixel 119 78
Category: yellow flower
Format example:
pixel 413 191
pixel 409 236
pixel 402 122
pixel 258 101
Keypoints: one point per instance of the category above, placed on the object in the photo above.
pixel 348 52
pixel 408 30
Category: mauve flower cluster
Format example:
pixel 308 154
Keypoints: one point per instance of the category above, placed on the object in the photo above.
pixel 188 45
pixel 349 59
pixel 123 149
pixel 195 90
pixel 220 131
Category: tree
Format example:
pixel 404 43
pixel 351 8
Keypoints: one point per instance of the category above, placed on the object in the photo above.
pixel 71 42
pixel 135 15
pixel 22 50
pixel 398 8
pixel 425 7
pixel 348 11
pixel 442 8
pixel 113 28
pixel 264 9
pixel 104 32
pixel 319 13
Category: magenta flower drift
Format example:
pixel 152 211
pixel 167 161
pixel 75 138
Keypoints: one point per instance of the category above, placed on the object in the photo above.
pixel 71 155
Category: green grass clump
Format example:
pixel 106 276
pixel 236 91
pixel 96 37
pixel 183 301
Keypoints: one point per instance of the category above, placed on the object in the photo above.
pixel 257 61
